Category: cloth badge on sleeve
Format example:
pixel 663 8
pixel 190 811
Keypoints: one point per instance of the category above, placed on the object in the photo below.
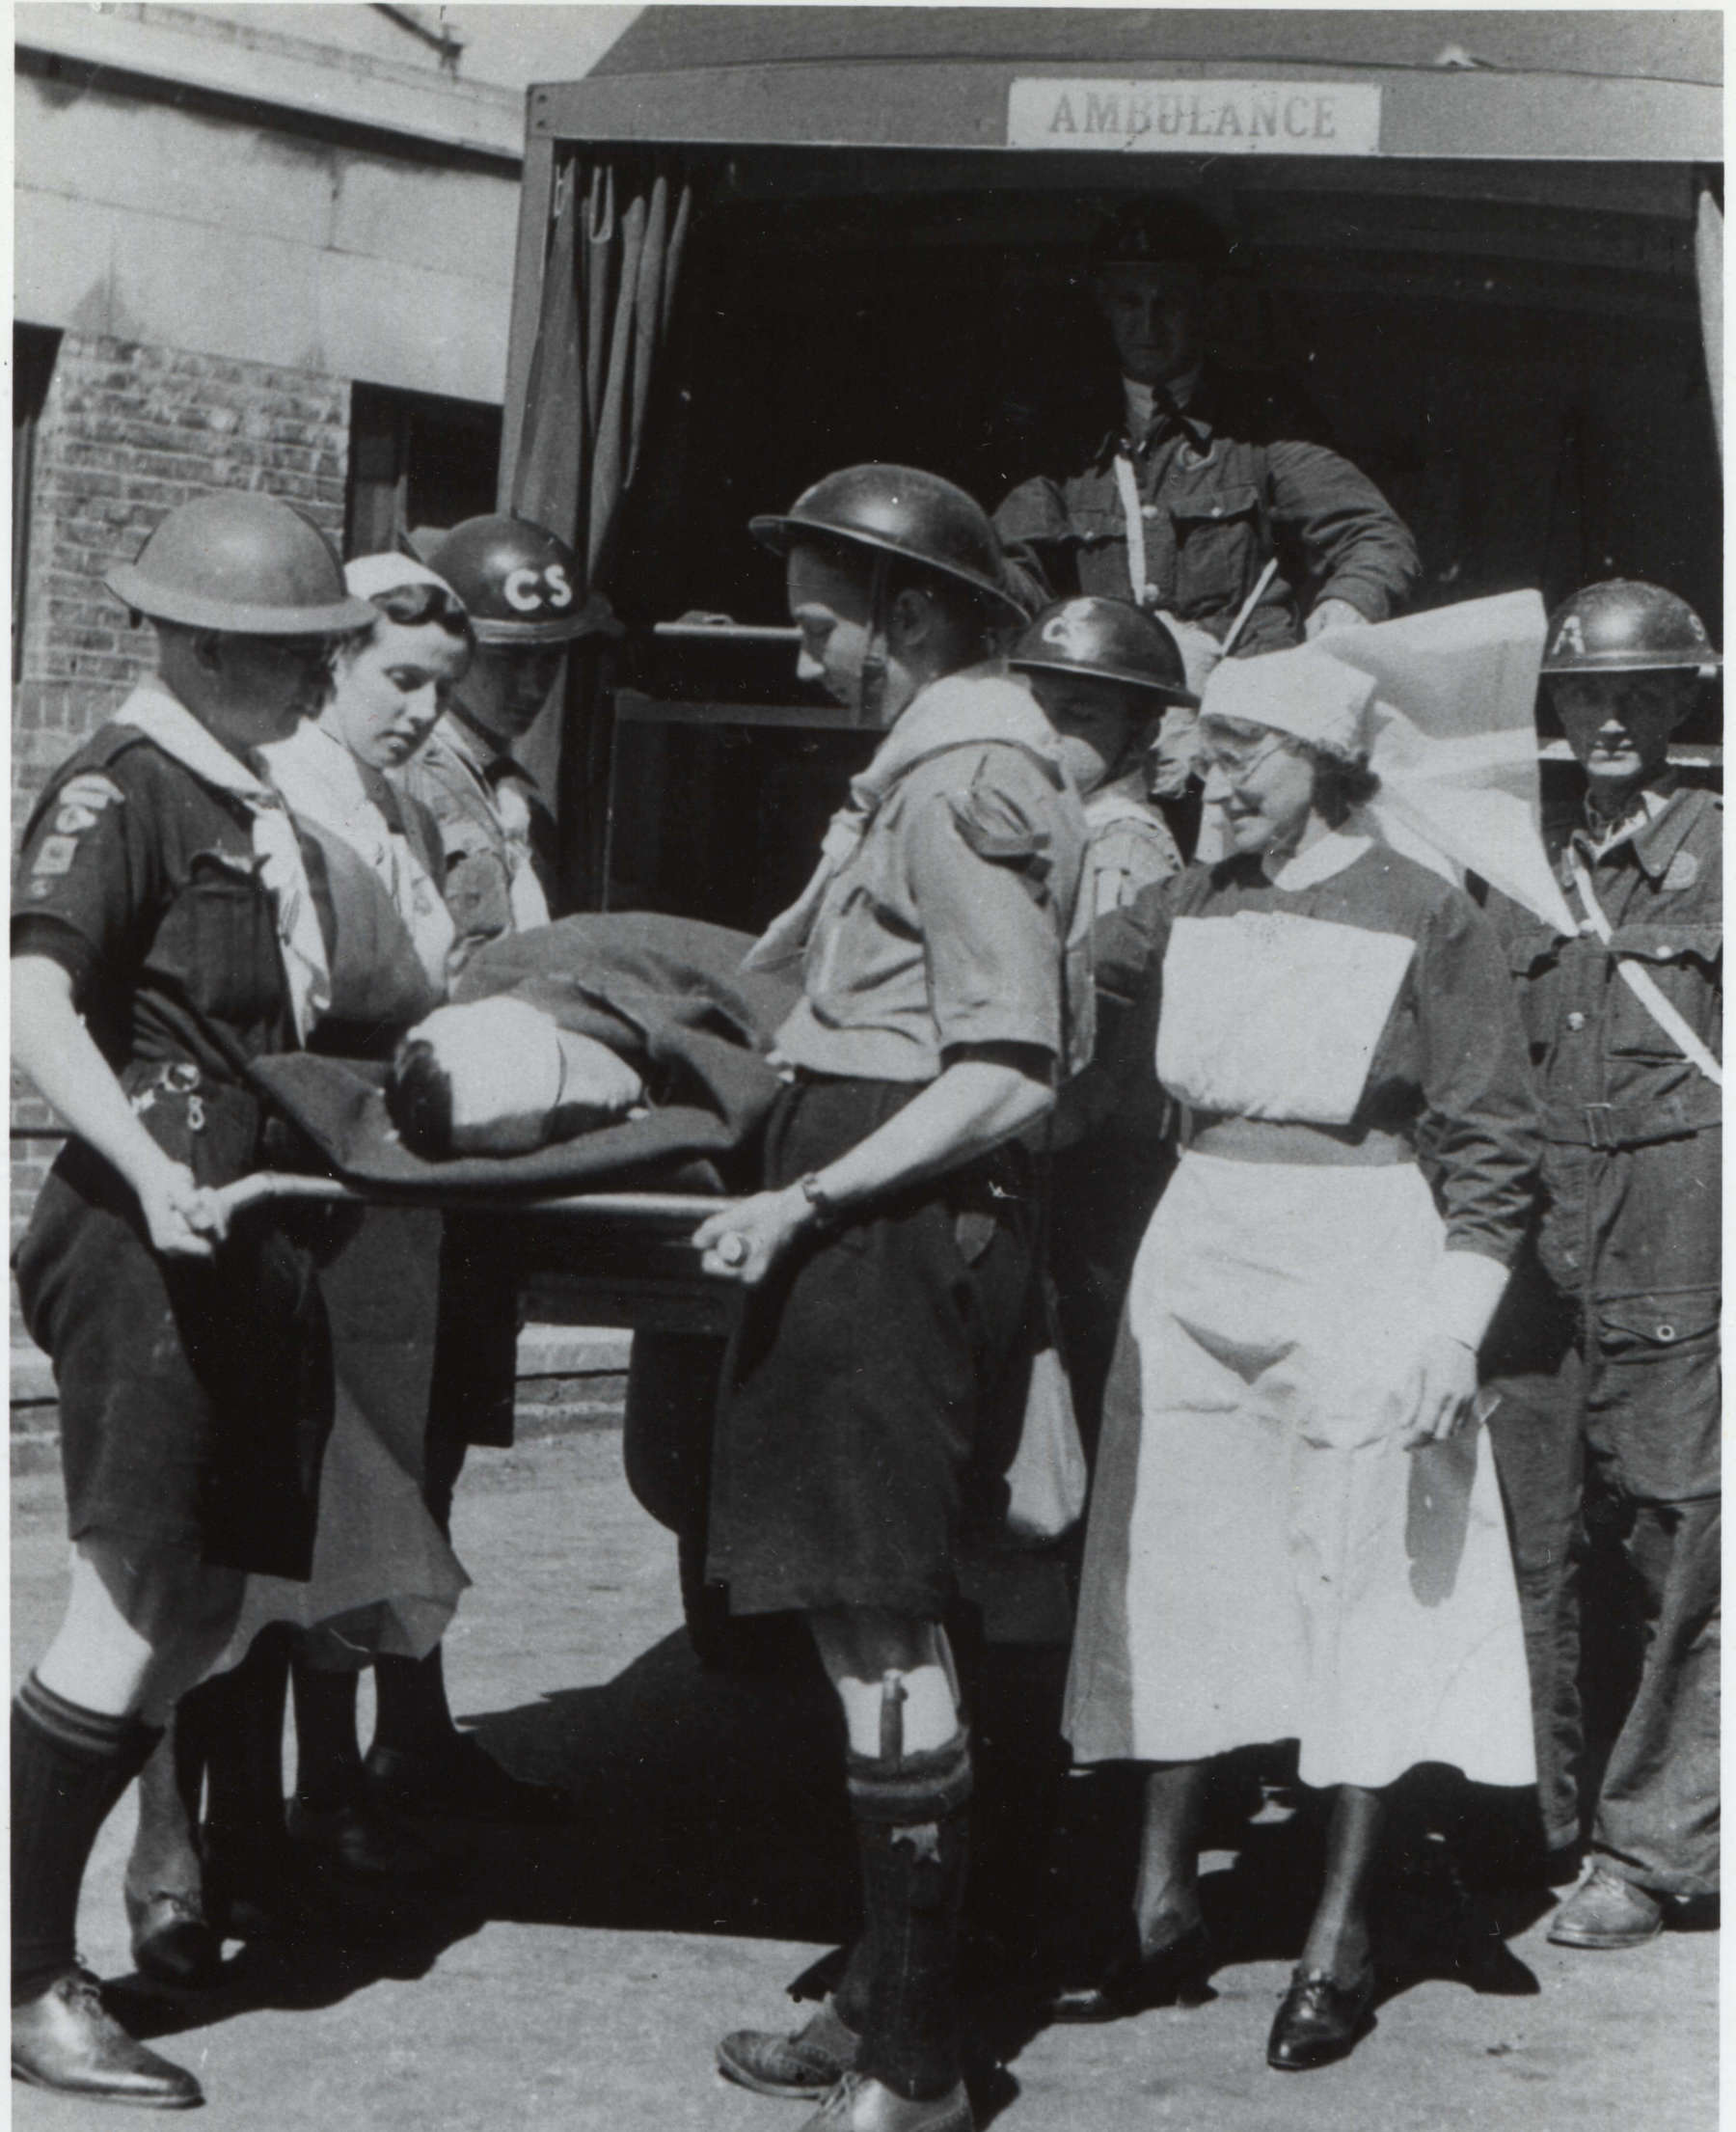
pixel 92 790
pixel 55 854
pixel 1682 872
pixel 71 821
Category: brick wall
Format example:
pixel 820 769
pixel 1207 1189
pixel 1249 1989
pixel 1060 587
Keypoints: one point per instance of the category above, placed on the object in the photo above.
pixel 127 432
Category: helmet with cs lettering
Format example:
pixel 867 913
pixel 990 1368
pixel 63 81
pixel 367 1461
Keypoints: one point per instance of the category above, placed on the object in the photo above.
pixel 1104 640
pixel 520 584
pixel 1626 626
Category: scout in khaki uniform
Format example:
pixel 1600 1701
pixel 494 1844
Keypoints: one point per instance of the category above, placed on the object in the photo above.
pixel 163 935
pixel 1610 1398
pixel 890 1255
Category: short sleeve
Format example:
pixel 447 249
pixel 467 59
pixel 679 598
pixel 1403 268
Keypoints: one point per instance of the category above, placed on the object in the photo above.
pixel 979 871
pixel 86 873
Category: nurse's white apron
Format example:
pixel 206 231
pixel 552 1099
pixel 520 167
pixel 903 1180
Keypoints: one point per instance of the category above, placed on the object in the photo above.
pixel 1263 1561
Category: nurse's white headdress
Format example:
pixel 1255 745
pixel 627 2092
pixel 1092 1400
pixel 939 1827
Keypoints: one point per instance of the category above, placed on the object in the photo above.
pixel 1443 705
pixel 368 575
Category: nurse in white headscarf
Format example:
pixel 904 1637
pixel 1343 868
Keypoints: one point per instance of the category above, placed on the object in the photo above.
pixel 1295 1531
pixel 389 688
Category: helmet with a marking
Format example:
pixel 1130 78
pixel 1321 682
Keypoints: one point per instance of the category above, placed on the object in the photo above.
pixel 1105 640
pixel 899 511
pixel 1626 626
pixel 520 584
pixel 246 565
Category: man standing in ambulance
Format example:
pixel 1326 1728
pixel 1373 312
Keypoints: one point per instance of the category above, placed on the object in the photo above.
pixel 1204 501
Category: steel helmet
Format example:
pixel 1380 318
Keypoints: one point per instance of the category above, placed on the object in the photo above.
pixel 1155 232
pixel 520 584
pixel 1105 640
pixel 1625 626
pixel 898 510
pixel 243 563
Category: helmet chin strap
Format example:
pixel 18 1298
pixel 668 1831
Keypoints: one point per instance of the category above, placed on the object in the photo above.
pixel 871 690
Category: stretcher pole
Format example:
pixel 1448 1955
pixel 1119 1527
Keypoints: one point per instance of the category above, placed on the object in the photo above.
pixel 652 1208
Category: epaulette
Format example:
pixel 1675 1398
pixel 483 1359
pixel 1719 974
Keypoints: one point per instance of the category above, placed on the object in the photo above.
pixel 996 828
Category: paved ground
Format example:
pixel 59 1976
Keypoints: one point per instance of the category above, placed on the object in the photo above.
pixel 576 1981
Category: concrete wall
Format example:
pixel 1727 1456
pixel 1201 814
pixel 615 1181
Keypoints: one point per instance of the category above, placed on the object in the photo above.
pixel 150 223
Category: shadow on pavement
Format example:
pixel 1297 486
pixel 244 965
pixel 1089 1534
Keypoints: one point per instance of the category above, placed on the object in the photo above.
pixel 714 1803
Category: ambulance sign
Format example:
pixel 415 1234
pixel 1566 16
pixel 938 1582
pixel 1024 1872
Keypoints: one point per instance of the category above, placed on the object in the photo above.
pixel 1196 117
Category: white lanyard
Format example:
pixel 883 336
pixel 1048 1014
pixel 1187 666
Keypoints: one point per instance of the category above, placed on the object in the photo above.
pixel 1640 984
pixel 1128 488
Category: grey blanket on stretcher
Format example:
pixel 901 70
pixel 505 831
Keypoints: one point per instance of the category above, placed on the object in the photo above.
pixel 667 994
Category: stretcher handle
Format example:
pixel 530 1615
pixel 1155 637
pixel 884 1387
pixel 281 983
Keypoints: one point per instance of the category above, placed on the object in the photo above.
pixel 649 1207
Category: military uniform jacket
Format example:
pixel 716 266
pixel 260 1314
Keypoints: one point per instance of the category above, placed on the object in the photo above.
pixel 458 778
pixel 1221 492
pixel 1632 1140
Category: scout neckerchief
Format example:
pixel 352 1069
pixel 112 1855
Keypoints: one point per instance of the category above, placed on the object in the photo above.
pixel 169 726
pixel 939 717
pixel 1639 982
pixel 325 784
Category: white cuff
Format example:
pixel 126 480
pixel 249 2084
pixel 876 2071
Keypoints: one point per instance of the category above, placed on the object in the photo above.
pixel 1468 1287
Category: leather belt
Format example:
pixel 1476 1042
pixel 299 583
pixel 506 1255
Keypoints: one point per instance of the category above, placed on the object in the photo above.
pixel 1290 1141
pixel 1610 1125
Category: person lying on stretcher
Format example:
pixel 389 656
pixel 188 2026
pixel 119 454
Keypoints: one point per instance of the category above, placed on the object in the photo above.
pixel 500 1077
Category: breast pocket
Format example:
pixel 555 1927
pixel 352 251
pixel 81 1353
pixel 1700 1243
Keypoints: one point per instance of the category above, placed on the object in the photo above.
pixel 1218 543
pixel 218 942
pixel 1682 960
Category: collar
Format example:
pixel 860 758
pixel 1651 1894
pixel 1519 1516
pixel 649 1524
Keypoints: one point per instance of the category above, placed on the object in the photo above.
pixel 1657 825
pixel 1330 854
pixel 980 702
pixel 481 750
pixel 1195 409
pixel 164 718
pixel 1114 798
pixel 480 754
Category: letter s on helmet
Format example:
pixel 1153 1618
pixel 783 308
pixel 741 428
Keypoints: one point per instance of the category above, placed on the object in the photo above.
pixel 519 582
pixel 1626 626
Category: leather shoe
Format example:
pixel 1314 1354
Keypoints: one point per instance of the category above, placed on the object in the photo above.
pixel 1318 2020
pixel 1174 1974
pixel 459 1781
pixel 67 2040
pixel 857 2104
pixel 354 1841
pixel 1605 1911
pixel 173 1942
pixel 793 2067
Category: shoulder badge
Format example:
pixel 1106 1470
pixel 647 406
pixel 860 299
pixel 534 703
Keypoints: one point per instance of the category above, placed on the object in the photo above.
pixel 1682 872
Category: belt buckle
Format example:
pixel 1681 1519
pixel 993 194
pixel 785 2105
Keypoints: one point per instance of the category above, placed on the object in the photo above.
pixel 1600 1114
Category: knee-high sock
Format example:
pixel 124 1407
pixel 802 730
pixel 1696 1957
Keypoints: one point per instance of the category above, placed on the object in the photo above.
pixel 69 1768
pixel 912 1816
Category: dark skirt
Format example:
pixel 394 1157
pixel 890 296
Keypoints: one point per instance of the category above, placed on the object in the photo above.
pixel 862 1416
pixel 195 1395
